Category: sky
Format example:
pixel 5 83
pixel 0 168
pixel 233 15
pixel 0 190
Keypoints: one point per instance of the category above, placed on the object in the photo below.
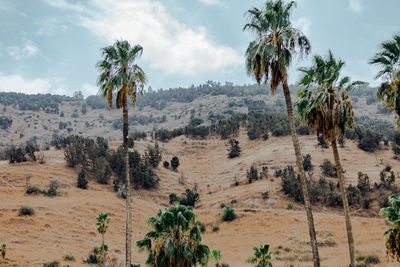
pixel 52 46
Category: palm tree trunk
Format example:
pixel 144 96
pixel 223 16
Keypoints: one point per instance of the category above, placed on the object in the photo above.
pixel 345 202
pixel 127 184
pixel 299 162
pixel 104 253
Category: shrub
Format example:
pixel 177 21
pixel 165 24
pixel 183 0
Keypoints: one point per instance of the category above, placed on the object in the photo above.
pixel 175 162
pixel 322 143
pixel 372 259
pixel 229 214
pixel 189 198
pixel 202 226
pixel 14 154
pixel 96 256
pixel 252 174
pixel 265 195
pixel 387 177
pixel 234 149
pixel 33 190
pixel 369 141
pixel 307 165
pixel 353 195
pixel 81 181
pixel 26 211
pixel 102 170
pixel 291 185
pixel 334 199
pixel 384 202
pixel 366 202
pixel 215 228
pixel 153 155
pixel 68 257
pixel 289 205
pixel 131 142
pixel 328 168
pixel 54 263
pixel 51 192
pixel 166 164
pixel 363 183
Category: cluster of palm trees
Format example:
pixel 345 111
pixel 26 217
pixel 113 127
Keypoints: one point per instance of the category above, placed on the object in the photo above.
pixel 323 104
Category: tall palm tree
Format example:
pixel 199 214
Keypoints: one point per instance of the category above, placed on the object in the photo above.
pixel 392 235
pixel 102 225
pixel 262 256
pixel 119 74
pixel 325 105
pixel 388 59
pixel 270 54
pixel 175 240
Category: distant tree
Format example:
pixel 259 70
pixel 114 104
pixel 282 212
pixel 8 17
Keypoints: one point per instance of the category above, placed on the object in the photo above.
pixel 234 150
pixel 153 155
pixel 83 109
pixel 175 162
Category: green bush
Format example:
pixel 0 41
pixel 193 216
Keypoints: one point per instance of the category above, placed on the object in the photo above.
pixel 102 170
pixel 54 263
pixel 229 214
pixel 363 183
pixel 175 162
pixel 334 199
pixel 307 165
pixel 189 198
pixel 328 168
pixel 234 150
pixel 33 190
pixel 26 211
pixel 82 182
pixel 51 192
pixel 153 155
pixel 68 257
pixel 215 228
pixel 322 143
pixel 372 259
pixel 252 174
pixel 369 141
pixel 166 164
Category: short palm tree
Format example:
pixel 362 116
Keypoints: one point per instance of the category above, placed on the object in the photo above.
pixel 175 240
pixel 392 235
pixel 388 59
pixel 267 59
pixel 262 256
pixel 217 256
pixel 119 74
pixel 325 105
pixel 102 225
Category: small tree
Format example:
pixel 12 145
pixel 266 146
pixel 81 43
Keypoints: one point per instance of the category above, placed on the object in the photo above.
pixel 252 174
pixel 217 256
pixel 307 165
pixel 175 162
pixel 81 181
pixel 229 214
pixel 235 150
pixel 392 235
pixel 262 256
pixel 153 155
pixel 3 251
pixel 102 224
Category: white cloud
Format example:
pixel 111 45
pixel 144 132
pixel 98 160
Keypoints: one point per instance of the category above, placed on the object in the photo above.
pixel 89 89
pixel 66 5
pixel 27 51
pixel 210 2
pixel 169 45
pixel 355 5
pixel 16 83
pixel 303 24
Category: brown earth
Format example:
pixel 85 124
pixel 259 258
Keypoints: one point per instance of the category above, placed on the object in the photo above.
pixel 66 224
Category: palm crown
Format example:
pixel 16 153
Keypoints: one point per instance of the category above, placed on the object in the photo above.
pixel 276 41
pixel 262 256
pixel 392 236
pixel 119 73
pixel 388 59
pixel 175 239
pixel 319 104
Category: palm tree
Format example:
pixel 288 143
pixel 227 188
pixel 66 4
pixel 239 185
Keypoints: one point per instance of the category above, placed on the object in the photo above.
pixel 392 235
pixel 320 106
pixel 102 226
pixel 262 256
pixel 175 240
pixel 388 59
pixel 217 256
pixel 270 54
pixel 119 74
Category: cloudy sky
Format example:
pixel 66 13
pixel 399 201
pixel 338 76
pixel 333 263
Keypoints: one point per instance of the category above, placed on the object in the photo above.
pixel 53 45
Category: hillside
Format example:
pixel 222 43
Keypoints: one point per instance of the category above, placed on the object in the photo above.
pixel 40 116
pixel 65 224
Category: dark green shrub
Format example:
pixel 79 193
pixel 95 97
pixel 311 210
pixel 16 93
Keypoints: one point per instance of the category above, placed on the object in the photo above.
pixel 387 177
pixel 215 228
pixel 30 150
pixel 26 211
pixel 384 202
pixel 353 195
pixel 328 168
pixel 291 185
pixel 234 150
pixel 102 170
pixel 153 155
pixel 265 195
pixel 69 257
pixel 166 164
pixel 95 257
pixel 33 190
pixel 334 199
pixel 366 202
pixel 82 181
pixel 307 165
pixel 229 214
pixel 175 162
pixel 372 259
pixel 202 226
pixel 363 183
pixel 322 143
pixel 51 192
pixel 252 174
pixel 131 142
pixel 369 141
pixel 189 198
pixel 54 263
